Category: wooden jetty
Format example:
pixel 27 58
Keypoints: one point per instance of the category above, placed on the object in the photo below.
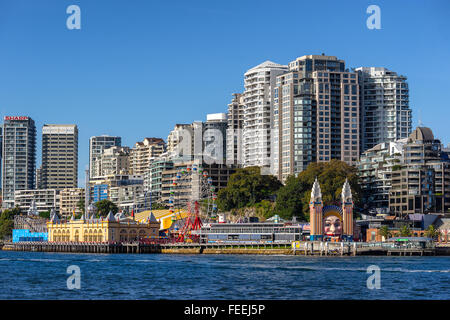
pixel 306 248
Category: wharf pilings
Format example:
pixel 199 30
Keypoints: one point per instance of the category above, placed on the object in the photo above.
pixel 309 248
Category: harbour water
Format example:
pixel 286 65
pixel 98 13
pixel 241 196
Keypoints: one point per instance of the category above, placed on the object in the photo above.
pixel 40 275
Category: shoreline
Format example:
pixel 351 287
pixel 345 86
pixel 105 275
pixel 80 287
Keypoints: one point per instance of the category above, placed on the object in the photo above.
pixel 225 249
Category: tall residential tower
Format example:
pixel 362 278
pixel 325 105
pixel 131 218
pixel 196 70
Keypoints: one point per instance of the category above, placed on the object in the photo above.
pixel 59 156
pixel 258 113
pixel 19 157
pixel 386 116
pixel 96 146
pixel 316 115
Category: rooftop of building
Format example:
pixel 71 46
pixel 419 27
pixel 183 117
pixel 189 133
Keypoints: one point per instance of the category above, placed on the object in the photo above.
pixel 421 134
pixel 267 64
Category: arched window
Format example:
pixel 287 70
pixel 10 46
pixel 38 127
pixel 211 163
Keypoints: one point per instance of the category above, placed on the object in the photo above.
pixel 123 235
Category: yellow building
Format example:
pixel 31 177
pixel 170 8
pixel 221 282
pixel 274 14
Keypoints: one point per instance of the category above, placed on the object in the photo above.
pixel 165 216
pixel 116 228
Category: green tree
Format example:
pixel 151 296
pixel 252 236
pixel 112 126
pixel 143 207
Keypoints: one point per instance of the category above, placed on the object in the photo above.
pixel 405 231
pixel 158 206
pixel 384 232
pixel 81 205
pixel 432 232
pixel 104 207
pixel 45 214
pixel 7 222
pixel 265 209
pixel 293 199
pixel 245 188
pixel 289 200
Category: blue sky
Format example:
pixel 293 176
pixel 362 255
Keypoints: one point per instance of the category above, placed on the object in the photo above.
pixel 136 68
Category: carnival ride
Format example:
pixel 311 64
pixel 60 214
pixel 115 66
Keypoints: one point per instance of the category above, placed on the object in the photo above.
pixel 201 204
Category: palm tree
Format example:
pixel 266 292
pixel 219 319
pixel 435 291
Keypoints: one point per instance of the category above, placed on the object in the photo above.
pixel 384 232
pixel 405 231
pixel 432 232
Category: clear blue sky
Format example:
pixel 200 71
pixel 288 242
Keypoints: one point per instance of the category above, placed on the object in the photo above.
pixel 136 68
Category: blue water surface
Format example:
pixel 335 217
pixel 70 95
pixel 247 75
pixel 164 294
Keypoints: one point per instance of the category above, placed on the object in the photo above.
pixel 39 275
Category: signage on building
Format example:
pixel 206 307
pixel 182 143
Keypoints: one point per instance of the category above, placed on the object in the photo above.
pixel 8 118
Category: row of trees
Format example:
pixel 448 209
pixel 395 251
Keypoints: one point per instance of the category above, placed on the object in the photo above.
pixel 248 188
pixel 7 221
pixel 405 231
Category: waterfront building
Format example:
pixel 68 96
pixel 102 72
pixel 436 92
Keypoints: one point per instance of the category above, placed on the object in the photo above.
pixel 258 102
pixel 375 169
pixel 19 157
pixel 68 201
pixel 316 115
pixel 143 153
pixel 421 183
pixel 96 146
pixel 43 199
pixel 109 229
pixel 331 223
pixel 59 156
pixel 415 223
pixel 250 232
pixel 385 112
pixel 234 130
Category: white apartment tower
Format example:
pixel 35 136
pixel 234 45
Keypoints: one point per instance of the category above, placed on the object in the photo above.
pixel 96 146
pixel 234 130
pixel 258 113
pixel 385 106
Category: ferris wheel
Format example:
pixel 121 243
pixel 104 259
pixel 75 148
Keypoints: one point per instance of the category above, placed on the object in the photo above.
pixel 199 201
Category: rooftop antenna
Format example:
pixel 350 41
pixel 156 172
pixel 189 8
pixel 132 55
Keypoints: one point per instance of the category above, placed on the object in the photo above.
pixel 420 119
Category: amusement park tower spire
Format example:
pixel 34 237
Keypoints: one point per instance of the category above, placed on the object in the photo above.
pixel 346 193
pixel 316 193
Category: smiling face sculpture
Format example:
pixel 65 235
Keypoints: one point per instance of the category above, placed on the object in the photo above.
pixel 332 225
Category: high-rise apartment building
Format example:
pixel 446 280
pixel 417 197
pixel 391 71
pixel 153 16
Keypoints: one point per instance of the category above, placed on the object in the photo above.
pixel 178 143
pixel 153 177
pixel 143 153
pixel 96 146
pixel 375 170
pixel 214 135
pixel 43 199
pixel 69 200
pixel 258 113
pixel 112 161
pixel 202 141
pixel 421 182
pixel 59 156
pixel 19 157
pixel 316 115
pixel 234 130
pixel 385 112
pixel 1 154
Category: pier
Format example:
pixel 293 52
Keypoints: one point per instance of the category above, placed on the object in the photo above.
pixel 306 248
